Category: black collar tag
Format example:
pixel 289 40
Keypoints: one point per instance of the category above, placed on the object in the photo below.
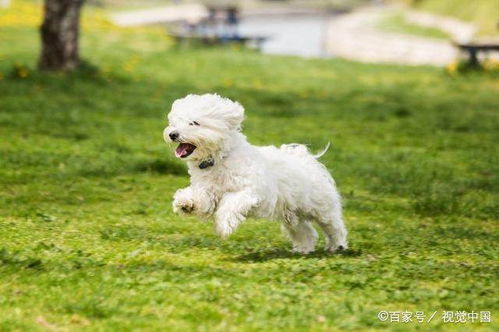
pixel 207 163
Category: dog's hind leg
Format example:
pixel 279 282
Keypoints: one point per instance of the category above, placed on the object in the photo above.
pixel 334 229
pixel 301 233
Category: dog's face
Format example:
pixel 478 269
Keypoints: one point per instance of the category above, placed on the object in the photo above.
pixel 202 125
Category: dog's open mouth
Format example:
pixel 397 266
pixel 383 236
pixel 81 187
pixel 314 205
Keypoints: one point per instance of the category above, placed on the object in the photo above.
pixel 184 150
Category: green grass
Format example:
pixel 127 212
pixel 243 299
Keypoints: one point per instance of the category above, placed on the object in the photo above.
pixel 484 13
pixel 89 241
pixel 398 24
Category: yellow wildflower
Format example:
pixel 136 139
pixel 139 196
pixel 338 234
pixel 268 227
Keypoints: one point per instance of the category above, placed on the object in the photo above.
pixel 452 68
pixel 491 65
pixel 23 72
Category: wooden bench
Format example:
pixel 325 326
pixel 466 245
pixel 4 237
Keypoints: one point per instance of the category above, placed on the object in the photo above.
pixel 474 48
pixel 217 40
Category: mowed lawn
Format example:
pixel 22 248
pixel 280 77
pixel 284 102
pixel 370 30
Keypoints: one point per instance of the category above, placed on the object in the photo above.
pixel 88 239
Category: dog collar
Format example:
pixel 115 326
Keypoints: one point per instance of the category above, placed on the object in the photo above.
pixel 206 163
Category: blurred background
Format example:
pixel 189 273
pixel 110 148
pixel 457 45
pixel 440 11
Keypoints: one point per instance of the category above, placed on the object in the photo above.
pixel 391 31
pixel 413 32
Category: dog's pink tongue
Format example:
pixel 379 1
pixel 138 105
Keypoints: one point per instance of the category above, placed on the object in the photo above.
pixel 181 150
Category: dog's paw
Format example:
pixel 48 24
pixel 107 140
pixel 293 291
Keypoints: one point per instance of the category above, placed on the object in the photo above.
pixel 183 202
pixel 336 248
pixel 183 206
pixel 223 229
pixel 302 250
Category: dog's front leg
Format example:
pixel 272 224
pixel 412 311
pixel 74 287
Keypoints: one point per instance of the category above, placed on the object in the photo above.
pixel 232 210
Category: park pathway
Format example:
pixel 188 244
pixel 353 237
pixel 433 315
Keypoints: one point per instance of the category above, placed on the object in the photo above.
pixel 168 14
pixel 355 36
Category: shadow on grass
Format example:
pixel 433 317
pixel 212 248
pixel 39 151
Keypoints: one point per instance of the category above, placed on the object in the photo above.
pixel 281 253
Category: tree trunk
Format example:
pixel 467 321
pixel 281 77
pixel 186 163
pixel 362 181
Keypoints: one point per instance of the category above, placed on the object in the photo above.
pixel 59 35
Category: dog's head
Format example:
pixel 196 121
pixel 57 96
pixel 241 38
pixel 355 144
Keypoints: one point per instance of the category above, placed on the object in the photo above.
pixel 202 125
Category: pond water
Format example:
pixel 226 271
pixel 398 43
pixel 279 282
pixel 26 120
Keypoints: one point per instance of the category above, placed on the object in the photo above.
pixel 299 35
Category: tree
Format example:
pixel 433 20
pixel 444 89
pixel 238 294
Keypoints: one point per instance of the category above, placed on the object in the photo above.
pixel 59 35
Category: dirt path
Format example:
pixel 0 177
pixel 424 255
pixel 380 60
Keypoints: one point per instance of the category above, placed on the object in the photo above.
pixel 355 36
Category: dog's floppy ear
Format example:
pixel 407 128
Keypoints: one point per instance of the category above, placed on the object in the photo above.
pixel 235 115
pixel 232 112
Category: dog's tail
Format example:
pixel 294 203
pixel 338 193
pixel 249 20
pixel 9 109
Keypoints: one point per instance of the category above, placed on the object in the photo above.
pixel 323 152
pixel 302 150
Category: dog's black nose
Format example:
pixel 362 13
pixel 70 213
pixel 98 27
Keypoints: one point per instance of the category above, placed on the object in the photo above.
pixel 173 135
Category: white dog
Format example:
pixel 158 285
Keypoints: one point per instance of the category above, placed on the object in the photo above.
pixel 232 179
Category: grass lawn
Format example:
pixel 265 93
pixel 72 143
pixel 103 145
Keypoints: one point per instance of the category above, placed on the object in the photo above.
pixel 398 24
pixel 89 241
pixel 484 13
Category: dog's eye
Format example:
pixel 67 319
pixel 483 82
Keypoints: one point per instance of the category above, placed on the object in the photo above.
pixel 194 123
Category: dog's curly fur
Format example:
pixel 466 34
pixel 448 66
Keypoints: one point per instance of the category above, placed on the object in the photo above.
pixel 232 179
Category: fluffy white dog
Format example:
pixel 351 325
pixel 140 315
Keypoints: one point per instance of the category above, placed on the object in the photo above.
pixel 232 179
